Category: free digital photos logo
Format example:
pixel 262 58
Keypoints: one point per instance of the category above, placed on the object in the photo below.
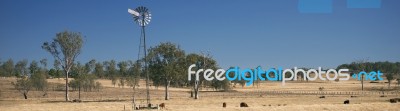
pixel 278 74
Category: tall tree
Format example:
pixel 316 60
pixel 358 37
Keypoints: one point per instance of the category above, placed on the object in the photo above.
pixel 57 68
pixel 34 67
pixel 65 47
pixel 98 70
pixel 82 78
pixel 123 70
pixel 362 67
pixel 133 74
pixel 390 75
pixel 20 68
pixel 202 61
pixel 8 68
pixel 89 66
pixel 133 77
pixel 111 71
pixel 23 84
pixel 38 77
pixel 164 60
pixel 44 70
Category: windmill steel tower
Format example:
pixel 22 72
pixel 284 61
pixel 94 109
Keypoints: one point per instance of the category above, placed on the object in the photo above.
pixel 142 16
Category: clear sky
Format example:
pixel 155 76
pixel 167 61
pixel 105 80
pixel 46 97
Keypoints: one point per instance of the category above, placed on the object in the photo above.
pixel 244 33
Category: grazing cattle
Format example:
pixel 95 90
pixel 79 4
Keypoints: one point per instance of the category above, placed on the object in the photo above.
pixel 243 104
pixel 224 105
pixel 353 96
pixel 162 105
pixel 322 97
pixel 346 102
pixel 393 100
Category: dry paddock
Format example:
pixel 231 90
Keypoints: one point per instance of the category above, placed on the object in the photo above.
pixel 267 96
pixel 289 102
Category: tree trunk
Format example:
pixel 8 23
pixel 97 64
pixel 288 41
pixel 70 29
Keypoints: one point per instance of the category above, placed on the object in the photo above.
pixel 193 90
pixel 79 95
pixel 196 91
pixel 25 95
pixel 362 82
pixel 167 82
pixel 133 102
pixel 66 86
pixel 133 97
pixel 389 83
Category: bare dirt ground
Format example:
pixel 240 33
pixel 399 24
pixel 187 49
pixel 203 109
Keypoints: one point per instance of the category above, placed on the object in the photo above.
pixel 295 95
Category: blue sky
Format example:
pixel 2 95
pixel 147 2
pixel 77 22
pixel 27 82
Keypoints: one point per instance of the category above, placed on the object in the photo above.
pixel 269 33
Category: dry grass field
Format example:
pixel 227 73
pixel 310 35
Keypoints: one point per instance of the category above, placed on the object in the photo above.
pixel 295 95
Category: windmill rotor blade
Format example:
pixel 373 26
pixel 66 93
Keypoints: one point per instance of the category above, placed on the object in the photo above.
pixel 142 15
pixel 133 12
pixel 143 8
pixel 149 15
pixel 140 9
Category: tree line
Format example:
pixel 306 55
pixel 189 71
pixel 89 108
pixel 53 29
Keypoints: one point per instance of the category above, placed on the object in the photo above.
pixel 391 70
pixel 167 66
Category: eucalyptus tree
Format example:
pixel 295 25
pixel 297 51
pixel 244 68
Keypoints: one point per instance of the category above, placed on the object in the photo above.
pixel 8 68
pixel 165 62
pixel 65 47
pixel 20 68
pixel 133 77
pixel 43 69
pixel 203 61
pixel 390 75
pixel 56 65
pixel 123 70
pixel 23 83
pixel 111 71
pixel 361 67
pixel 99 70
pixel 90 66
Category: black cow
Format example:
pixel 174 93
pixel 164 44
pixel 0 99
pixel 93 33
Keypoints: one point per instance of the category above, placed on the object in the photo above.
pixel 346 102
pixel 243 104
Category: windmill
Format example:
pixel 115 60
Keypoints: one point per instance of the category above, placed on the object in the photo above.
pixel 142 16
